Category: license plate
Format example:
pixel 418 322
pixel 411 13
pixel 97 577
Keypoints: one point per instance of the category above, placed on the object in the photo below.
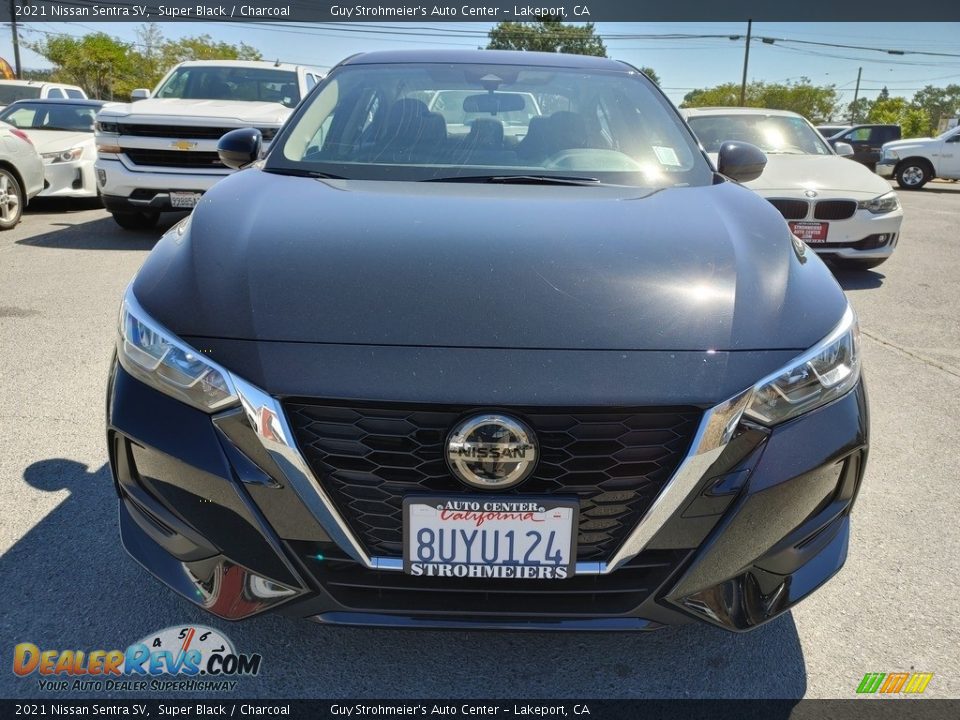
pixel 810 232
pixel 489 537
pixel 184 199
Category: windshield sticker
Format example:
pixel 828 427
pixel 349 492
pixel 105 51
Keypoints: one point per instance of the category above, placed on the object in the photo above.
pixel 666 155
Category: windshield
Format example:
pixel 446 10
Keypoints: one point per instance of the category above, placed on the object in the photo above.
pixel 948 132
pixel 253 84
pixel 50 116
pixel 771 133
pixel 429 121
pixel 12 93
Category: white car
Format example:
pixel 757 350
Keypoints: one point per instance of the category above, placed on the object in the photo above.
pixel 21 174
pixel 159 153
pixel 915 162
pixel 13 90
pixel 62 132
pixel 844 212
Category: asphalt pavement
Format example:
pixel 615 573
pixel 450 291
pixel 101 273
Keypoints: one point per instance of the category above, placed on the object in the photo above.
pixel 67 583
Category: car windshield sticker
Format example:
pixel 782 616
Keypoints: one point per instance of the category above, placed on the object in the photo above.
pixel 666 155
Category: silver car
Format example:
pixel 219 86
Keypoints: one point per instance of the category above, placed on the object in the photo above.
pixel 21 174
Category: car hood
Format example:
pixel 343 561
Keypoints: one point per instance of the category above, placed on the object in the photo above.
pixel 826 174
pixel 47 141
pixel 279 258
pixel 909 142
pixel 213 110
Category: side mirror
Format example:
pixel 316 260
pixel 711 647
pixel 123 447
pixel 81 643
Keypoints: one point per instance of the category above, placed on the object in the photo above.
pixel 140 94
pixel 239 148
pixel 741 161
pixel 843 149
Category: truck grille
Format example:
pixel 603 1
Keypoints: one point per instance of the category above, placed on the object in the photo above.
pixel 174 131
pixel 834 209
pixel 791 209
pixel 370 458
pixel 174 158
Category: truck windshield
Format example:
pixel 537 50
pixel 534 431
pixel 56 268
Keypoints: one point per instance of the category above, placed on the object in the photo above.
pixel 211 82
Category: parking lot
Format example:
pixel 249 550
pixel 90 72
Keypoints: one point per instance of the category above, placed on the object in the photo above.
pixel 68 583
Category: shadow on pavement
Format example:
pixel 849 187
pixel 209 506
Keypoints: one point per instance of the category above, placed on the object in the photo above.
pixel 858 279
pixel 77 588
pixel 101 234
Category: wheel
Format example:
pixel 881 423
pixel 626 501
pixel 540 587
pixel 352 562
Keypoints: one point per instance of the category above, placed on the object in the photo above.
pixel 913 174
pixel 136 220
pixel 858 264
pixel 11 200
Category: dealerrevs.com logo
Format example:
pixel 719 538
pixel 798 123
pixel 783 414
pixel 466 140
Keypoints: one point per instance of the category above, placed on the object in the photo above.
pixel 184 658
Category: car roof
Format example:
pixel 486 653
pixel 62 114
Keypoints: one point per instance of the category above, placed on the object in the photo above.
pixel 61 101
pixel 738 111
pixel 37 83
pixel 263 64
pixel 486 57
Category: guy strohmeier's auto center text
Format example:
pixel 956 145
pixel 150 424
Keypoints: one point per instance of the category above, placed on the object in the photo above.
pixel 361 710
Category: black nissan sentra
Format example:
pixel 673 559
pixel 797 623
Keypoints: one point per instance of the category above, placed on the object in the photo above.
pixel 485 340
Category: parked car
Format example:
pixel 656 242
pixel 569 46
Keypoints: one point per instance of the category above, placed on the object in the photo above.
pixel 21 174
pixel 13 90
pixel 867 141
pixel 914 163
pixel 380 377
pixel 842 210
pixel 828 131
pixel 158 154
pixel 62 132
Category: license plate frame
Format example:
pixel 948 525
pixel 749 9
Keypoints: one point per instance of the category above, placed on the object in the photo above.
pixel 811 232
pixel 184 199
pixel 522 569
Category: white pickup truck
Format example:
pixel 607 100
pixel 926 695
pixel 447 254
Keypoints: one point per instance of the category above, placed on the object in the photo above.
pixel 914 163
pixel 159 153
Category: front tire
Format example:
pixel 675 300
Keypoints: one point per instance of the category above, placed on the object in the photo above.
pixel 913 174
pixel 11 200
pixel 857 263
pixel 136 220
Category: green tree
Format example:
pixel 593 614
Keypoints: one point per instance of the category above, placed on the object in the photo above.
pixel 938 103
pixel 547 35
pixel 857 111
pixel 204 47
pixel 913 121
pixel 811 101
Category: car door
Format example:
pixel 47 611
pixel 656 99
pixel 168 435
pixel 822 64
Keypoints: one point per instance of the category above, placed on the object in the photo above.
pixel 950 157
pixel 859 140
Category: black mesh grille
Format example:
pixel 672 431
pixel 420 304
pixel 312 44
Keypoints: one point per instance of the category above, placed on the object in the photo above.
pixel 791 209
pixel 173 158
pixel 369 458
pixel 834 209
pixel 173 131
pixel 358 588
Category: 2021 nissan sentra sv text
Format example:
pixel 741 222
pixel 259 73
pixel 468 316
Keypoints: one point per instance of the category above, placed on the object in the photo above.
pixel 487 362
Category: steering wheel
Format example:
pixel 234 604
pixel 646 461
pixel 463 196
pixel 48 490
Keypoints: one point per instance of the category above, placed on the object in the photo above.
pixel 591 159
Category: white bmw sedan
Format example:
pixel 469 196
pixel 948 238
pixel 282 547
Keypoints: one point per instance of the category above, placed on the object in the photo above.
pixel 62 131
pixel 844 212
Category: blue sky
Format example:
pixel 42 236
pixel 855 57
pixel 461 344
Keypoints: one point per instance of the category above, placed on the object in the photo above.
pixel 683 64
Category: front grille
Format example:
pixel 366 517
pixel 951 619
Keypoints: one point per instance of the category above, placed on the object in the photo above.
pixel 791 209
pixel 358 588
pixel 174 131
pixel 174 158
pixel 834 209
pixel 370 458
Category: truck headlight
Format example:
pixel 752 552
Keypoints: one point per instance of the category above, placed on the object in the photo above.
pixel 890 155
pixel 882 204
pixel 823 373
pixel 63 156
pixel 154 355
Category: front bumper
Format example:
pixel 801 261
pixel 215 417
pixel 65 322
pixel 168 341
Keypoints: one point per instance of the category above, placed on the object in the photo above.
pixel 886 168
pixel 128 190
pixel 70 180
pixel 753 528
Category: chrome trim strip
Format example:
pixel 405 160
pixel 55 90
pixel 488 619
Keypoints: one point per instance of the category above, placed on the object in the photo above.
pixel 267 418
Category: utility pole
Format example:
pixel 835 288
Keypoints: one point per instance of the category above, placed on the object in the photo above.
pixel 16 38
pixel 856 94
pixel 746 61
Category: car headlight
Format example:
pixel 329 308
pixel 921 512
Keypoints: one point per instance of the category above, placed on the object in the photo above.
pixel 879 205
pixel 154 355
pixel 890 155
pixel 823 373
pixel 107 127
pixel 63 156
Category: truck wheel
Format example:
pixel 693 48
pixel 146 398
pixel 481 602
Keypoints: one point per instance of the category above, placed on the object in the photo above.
pixel 136 220
pixel 857 264
pixel 913 174
pixel 11 200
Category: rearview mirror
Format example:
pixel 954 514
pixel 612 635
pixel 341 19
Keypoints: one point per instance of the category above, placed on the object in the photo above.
pixel 239 148
pixel 741 161
pixel 843 149
pixel 140 94
pixel 493 103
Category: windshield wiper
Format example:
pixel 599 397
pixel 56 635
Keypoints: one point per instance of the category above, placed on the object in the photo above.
pixel 520 179
pixel 300 172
